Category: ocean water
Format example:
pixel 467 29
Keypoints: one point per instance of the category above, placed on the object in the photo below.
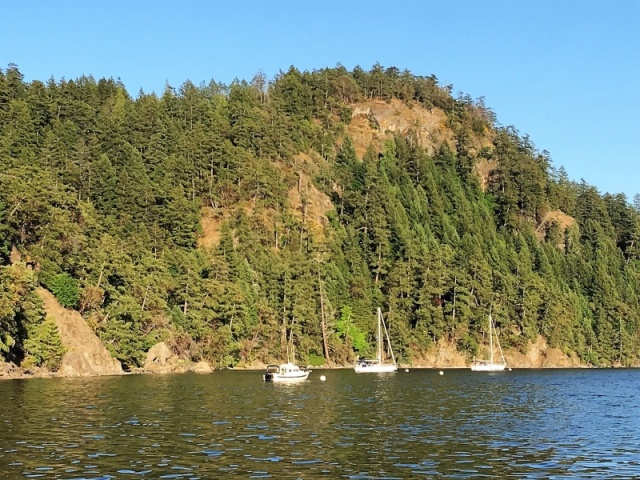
pixel 416 424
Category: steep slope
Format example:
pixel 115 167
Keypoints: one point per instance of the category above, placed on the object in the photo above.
pixel 374 121
pixel 86 356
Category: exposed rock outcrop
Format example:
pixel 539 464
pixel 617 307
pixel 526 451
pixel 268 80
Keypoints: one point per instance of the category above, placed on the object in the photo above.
pixel 200 367
pixel 540 355
pixel 161 359
pixel 374 121
pixel 444 355
pixel 86 355
pixel 8 370
pixel 310 205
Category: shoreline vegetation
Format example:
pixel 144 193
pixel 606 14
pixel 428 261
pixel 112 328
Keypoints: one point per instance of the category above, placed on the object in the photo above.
pixel 222 225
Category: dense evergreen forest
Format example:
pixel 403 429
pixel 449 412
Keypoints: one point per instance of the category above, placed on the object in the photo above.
pixel 102 197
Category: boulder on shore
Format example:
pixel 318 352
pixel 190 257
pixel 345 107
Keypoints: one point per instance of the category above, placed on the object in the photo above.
pixel 200 367
pixel 8 370
pixel 161 359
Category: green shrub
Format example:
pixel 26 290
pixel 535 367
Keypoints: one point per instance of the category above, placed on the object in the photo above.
pixel 43 346
pixel 346 329
pixel 316 360
pixel 65 288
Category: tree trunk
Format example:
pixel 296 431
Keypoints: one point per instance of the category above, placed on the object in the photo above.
pixel 325 343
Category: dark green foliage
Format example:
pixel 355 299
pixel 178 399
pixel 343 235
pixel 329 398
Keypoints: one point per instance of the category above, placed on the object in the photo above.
pixel 43 346
pixel 20 310
pixel 65 289
pixel 103 194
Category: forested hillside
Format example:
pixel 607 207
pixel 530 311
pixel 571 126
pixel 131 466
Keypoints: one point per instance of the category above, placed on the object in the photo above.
pixel 231 220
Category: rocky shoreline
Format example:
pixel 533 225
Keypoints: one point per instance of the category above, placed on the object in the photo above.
pixel 9 371
pixel 87 357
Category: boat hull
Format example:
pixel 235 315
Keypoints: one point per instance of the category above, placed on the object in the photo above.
pixel 285 373
pixel 286 378
pixel 375 368
pixel 488 367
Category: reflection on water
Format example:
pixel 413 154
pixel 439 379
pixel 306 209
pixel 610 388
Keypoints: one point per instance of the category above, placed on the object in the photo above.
pixel 520 424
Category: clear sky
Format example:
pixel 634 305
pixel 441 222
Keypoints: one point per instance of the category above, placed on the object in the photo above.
pixel 565 72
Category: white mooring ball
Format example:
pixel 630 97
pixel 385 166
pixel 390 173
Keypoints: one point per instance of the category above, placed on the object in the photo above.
pixel 322 378
pixel 441 372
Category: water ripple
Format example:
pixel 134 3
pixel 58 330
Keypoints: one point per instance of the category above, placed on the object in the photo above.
pixel 529 424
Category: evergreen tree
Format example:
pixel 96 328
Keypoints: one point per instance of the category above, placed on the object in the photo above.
pixel 103 197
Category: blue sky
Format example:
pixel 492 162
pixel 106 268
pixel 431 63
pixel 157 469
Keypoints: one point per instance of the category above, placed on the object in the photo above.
pixel 565 72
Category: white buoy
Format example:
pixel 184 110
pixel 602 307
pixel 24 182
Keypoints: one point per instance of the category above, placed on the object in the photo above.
pixel 441 372
pixel 322 378
pixel 406 369
pixel 509 369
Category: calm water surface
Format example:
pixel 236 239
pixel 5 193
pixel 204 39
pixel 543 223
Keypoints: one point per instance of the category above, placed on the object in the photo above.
pixel 519 424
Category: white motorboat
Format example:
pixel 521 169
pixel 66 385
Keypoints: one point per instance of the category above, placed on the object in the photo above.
pixel 287 372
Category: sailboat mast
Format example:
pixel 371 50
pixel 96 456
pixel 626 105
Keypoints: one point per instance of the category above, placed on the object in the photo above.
pixel 379 335
pixel 386 334
pixel 490 338
pixel 291 353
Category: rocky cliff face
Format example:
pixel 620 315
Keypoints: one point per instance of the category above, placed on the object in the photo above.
pixel 86 356
pixel 160 359
pixel 374 121
pixel 538 355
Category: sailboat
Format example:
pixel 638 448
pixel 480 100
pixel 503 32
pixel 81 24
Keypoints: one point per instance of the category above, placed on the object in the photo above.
pixel 377 365
pixel 489 365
